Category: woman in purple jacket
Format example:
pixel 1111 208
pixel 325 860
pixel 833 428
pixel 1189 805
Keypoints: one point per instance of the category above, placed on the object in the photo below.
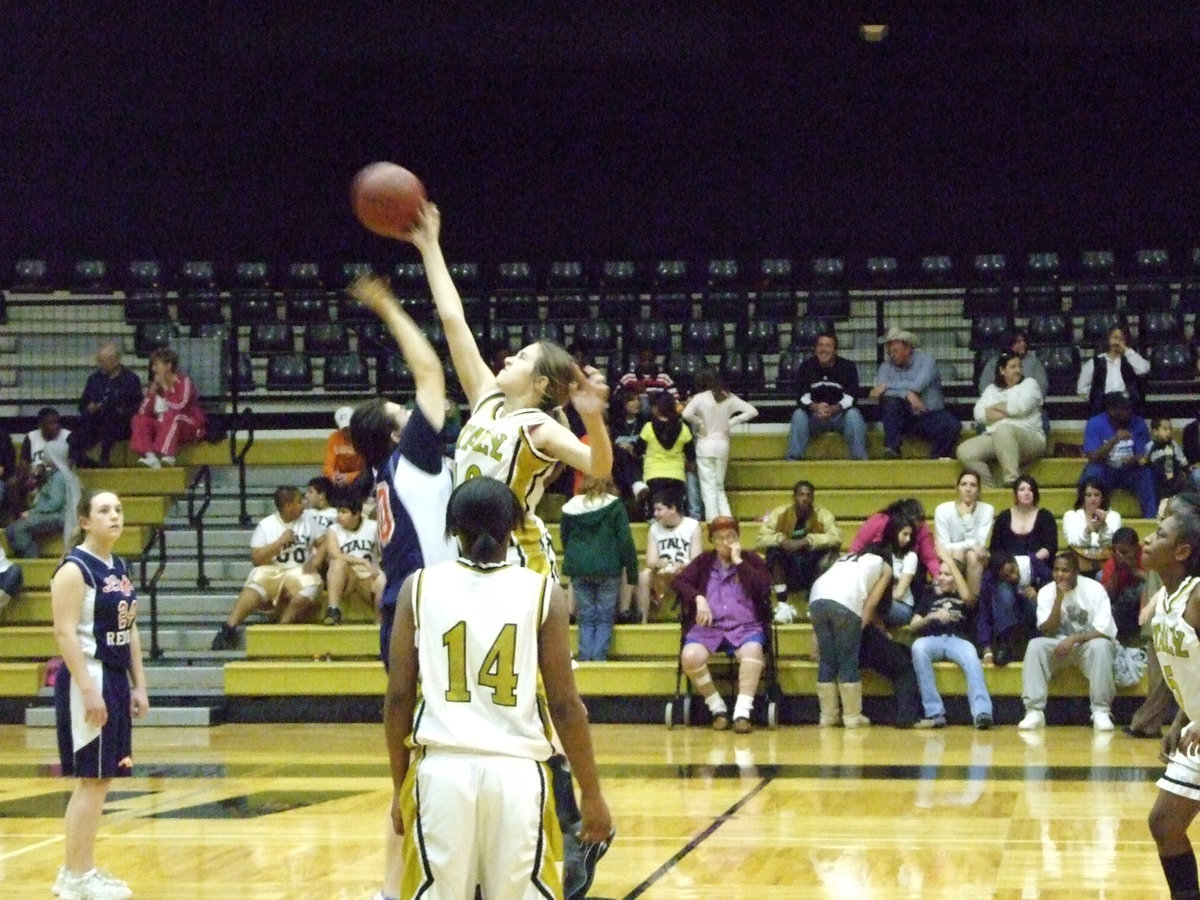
pixel 725 594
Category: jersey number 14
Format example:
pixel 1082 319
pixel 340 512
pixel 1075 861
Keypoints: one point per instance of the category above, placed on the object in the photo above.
pixel 497 672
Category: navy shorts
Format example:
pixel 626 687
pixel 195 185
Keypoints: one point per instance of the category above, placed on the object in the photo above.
pixel 110 755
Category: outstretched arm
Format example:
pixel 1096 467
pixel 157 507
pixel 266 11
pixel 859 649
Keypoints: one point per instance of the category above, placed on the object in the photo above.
pixel 422 359
pixel 473 372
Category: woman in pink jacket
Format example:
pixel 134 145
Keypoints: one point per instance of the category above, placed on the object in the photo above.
pixel 170 414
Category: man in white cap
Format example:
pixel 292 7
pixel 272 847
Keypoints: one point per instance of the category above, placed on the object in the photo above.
pixel 909 390
pixel 342 463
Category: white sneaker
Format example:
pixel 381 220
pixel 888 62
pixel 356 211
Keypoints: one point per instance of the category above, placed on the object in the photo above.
pixel 168 460
pixel 59 881
pixel 93 885
pixel 1034 719
pixel 150 460
pixel 1101 720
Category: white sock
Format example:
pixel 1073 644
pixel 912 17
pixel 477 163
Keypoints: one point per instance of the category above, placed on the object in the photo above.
pixel 742 706
pixel 716 704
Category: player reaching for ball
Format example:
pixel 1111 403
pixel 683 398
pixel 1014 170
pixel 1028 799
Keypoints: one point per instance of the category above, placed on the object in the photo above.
pixel 511 434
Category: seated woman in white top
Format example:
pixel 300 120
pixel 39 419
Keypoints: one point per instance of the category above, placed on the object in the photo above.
pixel 964 528
pixel 1010 409
pixel 1116 368
pixel 1089 527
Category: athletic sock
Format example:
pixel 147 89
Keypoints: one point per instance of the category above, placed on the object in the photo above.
pixel 1181 874
pixel 716 704
pixel 743 706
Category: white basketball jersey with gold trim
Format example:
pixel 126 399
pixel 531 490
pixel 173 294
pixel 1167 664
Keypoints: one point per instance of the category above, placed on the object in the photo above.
pixel 1178 646
pixel 477 650
pixel 497 444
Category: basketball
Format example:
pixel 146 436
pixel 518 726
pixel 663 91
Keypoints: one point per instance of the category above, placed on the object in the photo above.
pixel 386 198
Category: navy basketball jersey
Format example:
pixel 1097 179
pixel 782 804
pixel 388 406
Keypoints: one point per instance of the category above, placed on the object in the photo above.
pixel 109 608
pixel 411 493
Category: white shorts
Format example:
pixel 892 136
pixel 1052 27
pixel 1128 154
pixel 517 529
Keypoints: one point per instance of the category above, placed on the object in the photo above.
pixel 269 581
pixel 1183 773
pixel 475 818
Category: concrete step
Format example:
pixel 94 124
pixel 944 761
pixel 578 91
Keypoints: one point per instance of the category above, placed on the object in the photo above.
pixel 156 717
pixel 223 510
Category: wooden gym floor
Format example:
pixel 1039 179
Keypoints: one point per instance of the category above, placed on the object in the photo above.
pixel 262 812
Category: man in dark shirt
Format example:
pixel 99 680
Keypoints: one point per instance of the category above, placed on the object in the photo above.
pixel 110 398
pixel 1115 443
pixel 826 390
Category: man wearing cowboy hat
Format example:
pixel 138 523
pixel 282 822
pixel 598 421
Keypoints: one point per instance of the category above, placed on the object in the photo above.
pixel 909 390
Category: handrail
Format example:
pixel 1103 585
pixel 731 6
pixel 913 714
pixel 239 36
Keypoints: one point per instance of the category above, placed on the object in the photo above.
pixel 196 519
pixel 242 419
pixel 150 586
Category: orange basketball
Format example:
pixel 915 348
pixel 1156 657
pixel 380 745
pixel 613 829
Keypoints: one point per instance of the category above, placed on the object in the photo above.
pixel 386 198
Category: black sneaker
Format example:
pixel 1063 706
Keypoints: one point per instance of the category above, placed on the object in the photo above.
pixel 592 854
pixel 226 639
pixel 333 616
pixel 983 722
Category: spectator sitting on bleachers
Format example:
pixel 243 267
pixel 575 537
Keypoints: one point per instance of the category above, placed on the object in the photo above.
pixel 53 505
pixel 1118 368
pixel 318 494
pixel 725 594
pixel 1075 619
pixel 1031 366
pixel 110 397
pixel 11 580
pixel 1166 460
pixel 31 467
pixel 943 621
pixel 827 391
pixel 1090 526
pixel 672 541
pixel 799 540
pixel 1007 614
pixel 170 415
pixel 1122 577
pixel 964 527
pixel 1027 532
pixel 897 536
pixel 352 549
pixel 909 390
pixel 872 530
pixel 646 379
pixel 283 583
pixel 343 465
pixel 1010 410
pixel 1116 443
pixel 625 423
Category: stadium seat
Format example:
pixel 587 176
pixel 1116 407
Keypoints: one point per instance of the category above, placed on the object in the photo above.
pixel 742 371
pixel 272 337
pixel 289 372
pixel 671 297
pixel 568 308
pixel 518 308
pixel 1049 328
pixel 408 280
pixel 144 274
pixel 251 275
pixel 89 276
pixel 374 338
pixel 1061 362
pixel 1149 288
pixel 197 275
pixel 301 307
pixel 725 298
pixel 149 336
pixel 761 335
pixel 776 298
pixel 652 335
pixel 143 306
pixel 393 374
pixel 566 276
pixel 806 331
pixel 790 360
pixel 218 330
pixel 1164 326
pixel 326 339
pixel 491 336
pixel 682 366
pixel 620 281
pixel 346 372
pixel 32 276
pixel 515 277
pixel 703 337
pixel 253 306
pixel 434 333
pixel 827 297
pixel 598 337
pixel 303 276
pixel 937 269
pixel 200 308
pixel 990 332
pixel 532 332
pixel 1039 291
pixel 350 310
pixel 1095 329
pixel 1095 293
pixel 468 277
pixel 990 295
pixel 1173 362
pixel 882 270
